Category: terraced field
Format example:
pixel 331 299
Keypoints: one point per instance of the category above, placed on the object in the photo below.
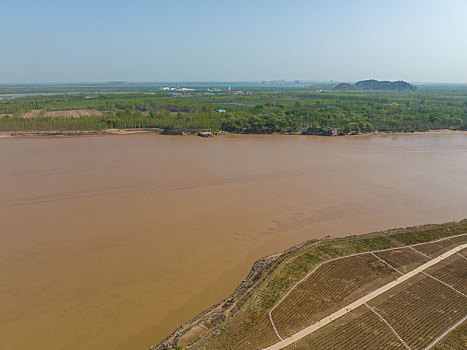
pixel 414 315
pixel 334 285
pixel 436 249
pixel 455 340
pixel 324 278
pixel 356 331
pixel 459 240
pixel 417 322
pixel 404 259
pixel 421 310
pixel 453 272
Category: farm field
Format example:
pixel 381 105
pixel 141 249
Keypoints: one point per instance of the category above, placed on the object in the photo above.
pixel 436 249
pixel 418 310
pixel 333 286
pixel 404 259
pixel 74 113
pixel 457 339
pixel 421 307
pixel 421 310
pixel 452 271
pixel 355 331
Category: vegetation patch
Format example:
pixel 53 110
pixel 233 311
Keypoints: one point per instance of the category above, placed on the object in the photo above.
pixel 291 111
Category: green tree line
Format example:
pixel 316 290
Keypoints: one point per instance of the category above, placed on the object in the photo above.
pixel 281 112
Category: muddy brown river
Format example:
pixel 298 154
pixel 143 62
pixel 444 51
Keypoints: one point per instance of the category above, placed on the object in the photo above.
pixel 111 242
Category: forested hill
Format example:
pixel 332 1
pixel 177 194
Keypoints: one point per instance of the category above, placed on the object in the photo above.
pixel 385 85
pixel 345 87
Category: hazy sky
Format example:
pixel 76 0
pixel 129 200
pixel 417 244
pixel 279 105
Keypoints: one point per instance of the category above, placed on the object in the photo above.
pixel 236 40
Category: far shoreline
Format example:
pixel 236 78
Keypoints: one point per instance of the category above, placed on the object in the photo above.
pixel 157 131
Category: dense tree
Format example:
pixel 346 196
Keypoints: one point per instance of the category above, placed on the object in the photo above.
pixel 283 112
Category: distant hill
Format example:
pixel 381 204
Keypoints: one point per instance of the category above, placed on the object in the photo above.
pixel 376 85
pixel 345 87
pixel 384 85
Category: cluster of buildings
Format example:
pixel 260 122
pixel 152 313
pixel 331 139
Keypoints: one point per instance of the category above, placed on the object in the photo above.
pixel 208 91
pixel 177 89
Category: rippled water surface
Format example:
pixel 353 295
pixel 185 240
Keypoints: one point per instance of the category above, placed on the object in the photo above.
pixel 110 242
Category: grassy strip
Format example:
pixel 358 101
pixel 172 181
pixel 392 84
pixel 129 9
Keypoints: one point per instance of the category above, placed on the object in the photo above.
pixel 431 234
pixel 288 111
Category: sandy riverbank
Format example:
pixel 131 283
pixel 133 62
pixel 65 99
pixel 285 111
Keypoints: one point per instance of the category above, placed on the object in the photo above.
pixel 56 133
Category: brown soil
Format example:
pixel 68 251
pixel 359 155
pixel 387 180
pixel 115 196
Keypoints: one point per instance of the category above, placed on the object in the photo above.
pixel 65 114
pixel 31 114
pixel 455 340
pixel 331 287
pixel 81 133
pixel 74 113
pixel 436 249
pixel 355 331
pixel 404 259
pixel 453 271
pixel 421 310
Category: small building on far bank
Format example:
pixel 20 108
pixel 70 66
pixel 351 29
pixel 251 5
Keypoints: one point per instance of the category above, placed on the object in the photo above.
pixel 322 130
pixel 329 131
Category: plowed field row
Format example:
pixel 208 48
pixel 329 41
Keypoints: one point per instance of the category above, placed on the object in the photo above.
pixel 421 311
pixel 437 248
pixel 456 339
pixel 356 334
pixel 403 259
pixel 459 239
pixel 334 285
pixel 452 272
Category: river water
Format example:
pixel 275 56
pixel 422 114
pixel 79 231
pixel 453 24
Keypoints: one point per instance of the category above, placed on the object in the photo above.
pixel 111 242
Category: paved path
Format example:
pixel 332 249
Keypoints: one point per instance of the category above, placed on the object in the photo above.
pixel 411 246
pixel 328 319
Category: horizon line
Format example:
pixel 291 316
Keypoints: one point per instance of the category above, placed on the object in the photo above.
pixel 274 81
